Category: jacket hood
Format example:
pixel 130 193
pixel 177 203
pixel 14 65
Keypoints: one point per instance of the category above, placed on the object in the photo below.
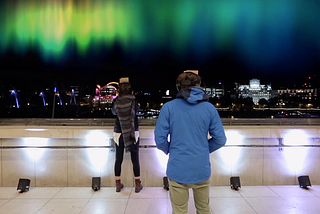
pixel 193 95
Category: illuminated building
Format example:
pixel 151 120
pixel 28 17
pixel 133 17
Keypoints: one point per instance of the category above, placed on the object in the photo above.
pixel 255 90
pixel 307 95
pixel 216 91
pixel 105 95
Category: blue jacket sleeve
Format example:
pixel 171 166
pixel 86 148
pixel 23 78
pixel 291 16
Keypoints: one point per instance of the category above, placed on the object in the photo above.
pixel 216 131
pixel 161 131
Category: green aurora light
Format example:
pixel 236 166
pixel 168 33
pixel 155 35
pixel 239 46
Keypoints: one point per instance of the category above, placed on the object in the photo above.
pixel 54 27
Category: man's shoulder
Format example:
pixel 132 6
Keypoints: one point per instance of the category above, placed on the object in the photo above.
pixel 172 102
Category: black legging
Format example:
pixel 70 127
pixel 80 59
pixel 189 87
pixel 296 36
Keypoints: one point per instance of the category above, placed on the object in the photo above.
pixel 134 158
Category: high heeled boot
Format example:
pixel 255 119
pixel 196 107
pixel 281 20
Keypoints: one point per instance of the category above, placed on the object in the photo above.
pixel 119 185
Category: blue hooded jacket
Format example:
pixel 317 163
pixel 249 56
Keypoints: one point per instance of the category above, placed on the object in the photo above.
pixel 188 120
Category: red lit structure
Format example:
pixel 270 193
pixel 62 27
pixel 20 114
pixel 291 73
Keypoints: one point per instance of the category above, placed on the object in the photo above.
pixel 105 95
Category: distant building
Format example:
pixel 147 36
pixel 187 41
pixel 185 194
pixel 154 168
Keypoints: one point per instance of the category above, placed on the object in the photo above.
pixel 215 91
pixel 105 95
pixel 255 90
pixel 304 94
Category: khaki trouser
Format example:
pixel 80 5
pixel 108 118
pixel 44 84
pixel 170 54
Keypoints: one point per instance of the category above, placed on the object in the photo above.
pixel 179 196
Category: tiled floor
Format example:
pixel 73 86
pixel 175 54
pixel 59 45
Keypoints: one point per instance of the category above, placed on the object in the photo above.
pixel 155 200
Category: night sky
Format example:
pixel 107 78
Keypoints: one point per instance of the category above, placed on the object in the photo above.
pixel 152 42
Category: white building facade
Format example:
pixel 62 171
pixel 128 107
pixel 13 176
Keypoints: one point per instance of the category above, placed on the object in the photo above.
pixel 255 90
pixel 215 91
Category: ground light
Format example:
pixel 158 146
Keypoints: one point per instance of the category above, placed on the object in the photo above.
pixel 235 183
pixel 304 181
pixel 23 185
pixel 96 181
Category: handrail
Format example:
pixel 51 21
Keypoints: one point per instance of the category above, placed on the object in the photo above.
pixel 101 122
pixel 111 145
pixel 144 146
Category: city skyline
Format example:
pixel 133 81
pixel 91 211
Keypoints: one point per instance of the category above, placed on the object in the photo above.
pixel 304 82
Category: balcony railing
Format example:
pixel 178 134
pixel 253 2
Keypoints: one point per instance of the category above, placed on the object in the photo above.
pixel 100 122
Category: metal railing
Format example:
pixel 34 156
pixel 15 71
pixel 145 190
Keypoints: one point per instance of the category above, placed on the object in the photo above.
pixel 100 122
pixel 111 145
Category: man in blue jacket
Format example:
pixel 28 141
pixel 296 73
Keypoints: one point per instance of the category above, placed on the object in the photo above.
pixel 188 120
